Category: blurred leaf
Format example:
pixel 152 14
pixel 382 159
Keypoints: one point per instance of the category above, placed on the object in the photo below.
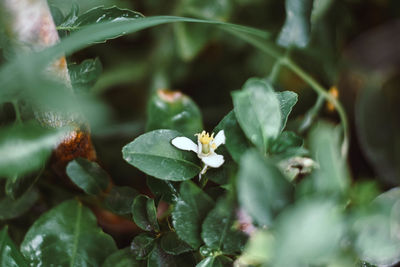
pixel 120 199
pixel 297 28
pixel 332 175
pixel 259 249
pixel 378 129
pixel 88 176
pixel 189 212
pixel 236 142
pixel 287 100
pixel 309 233
pixel 25 148
pixel 12 208
pixel 320 8
pixel 262 189
pixel 190 39
pixel 218 231
pixel 171 244
pixel 17 186
pixel 257 110
pixel 218 261
pixel 165 189
pixel 285 143
pixel 145 214
pixel 378 231
pixel 153 148
pixel 56 13
pixel 208 9
pixel 71 17
pixel 142 245
pixel 122 258
pixel 67 235
pixel 9 253
pixel 84 75
pixel 173 110
pixel 222 174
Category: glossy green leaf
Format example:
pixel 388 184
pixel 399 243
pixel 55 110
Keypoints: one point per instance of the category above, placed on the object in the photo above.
pixel 257 109
pixel 287 100
pixel 9 253
pixel 84 75
pixel 218 231
pixel 377 231
pixel 154 154
pixel 88 176
pixel 12 208
pixel 25 148
pixel 236 141
pixel 159 258
pixel 263 191
pixel 173 110
pixel 378 128
pixel 332 175
pixel 120 199
pixel 17 186
pixel 310 232
pixel 297 28
pixel 142 245
pixel 67 235
pixel 122 258
pixel 189 212
pixel 71 17
pixel 286 143
pixel 144 213
pixel 171 244
pixel 166 190
pixel 218 261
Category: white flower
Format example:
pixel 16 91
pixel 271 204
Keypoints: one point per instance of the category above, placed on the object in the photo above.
pixel 206 145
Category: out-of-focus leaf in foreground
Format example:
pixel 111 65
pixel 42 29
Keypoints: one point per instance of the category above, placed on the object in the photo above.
pixel 26 147
pixel 122 258
pixel 12 208
pixel 9 253
pixel 64 236
pixel 84 75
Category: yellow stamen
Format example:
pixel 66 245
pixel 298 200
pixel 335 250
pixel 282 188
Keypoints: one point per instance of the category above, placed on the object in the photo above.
pixel 205 137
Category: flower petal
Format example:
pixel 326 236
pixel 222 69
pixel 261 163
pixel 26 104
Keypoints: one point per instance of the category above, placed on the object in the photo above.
pixel 184 143
pixel 219 139
pixel 213 160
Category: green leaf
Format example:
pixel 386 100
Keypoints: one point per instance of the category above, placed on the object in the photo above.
pixel 310 232
pixel 236 142
pixel 216 10
pixel 190 39
pixel 286 143
pixel 122 258
pixel 263 191
pixel 259 249
pixel 17 186
pixel 377 231
pixel 12 208
pixel 297 28
pixel 173 110
pixel 85 75
pixel 145 214
pixel 218 230
pixel 332 176
pixel 171 244
pixel 189 212
pixel 120 199
pixel 257 109
pixel 88 176
pixel 154 154
pixel 159 258
pixel 25 148
pixel 218 261
pixel 142 245
pixel 67 235
pixel 166 190
pixel 9 253
pixel 287 100
pixel 72 16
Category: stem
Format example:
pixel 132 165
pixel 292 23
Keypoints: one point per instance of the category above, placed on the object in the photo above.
pixel 322 92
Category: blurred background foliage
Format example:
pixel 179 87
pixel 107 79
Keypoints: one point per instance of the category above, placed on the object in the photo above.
pixel 350 44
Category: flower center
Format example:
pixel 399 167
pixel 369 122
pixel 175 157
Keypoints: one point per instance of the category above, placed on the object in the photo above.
pixel 204 138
